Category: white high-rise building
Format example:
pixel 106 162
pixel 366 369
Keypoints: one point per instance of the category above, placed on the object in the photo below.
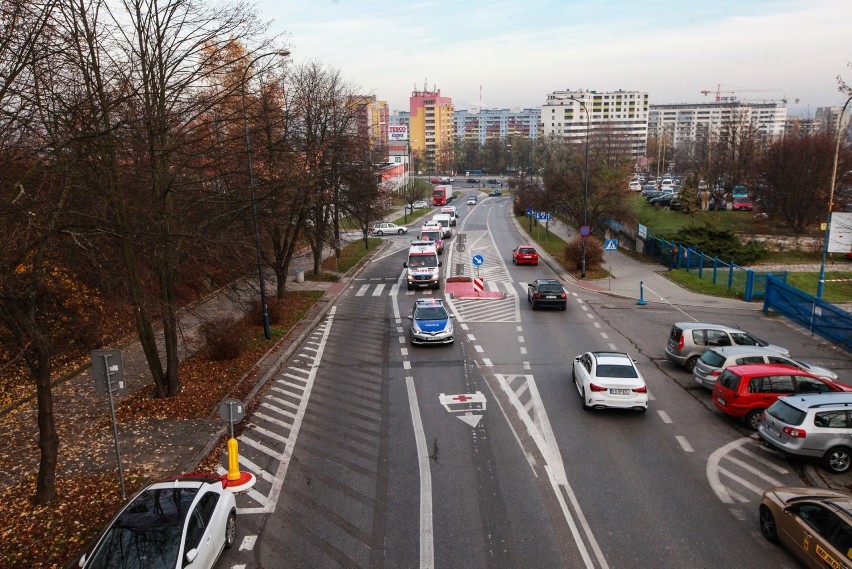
pixel 622 115
pixel 691 122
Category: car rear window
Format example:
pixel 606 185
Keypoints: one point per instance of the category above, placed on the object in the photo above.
pixel 786 413
pixel 526 250
pixel 675 334
pixel 713 359
pixel 549 288
pixel 608 370
pixel 729 379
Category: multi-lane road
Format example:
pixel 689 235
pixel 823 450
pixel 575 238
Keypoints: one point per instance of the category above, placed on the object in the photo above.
pixel 372 453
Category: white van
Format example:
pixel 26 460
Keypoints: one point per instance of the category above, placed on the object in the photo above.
pixel 423 266
pixel 451 211
pixel 446 222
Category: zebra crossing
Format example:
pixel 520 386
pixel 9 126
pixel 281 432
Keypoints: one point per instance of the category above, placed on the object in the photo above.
pixel 268 440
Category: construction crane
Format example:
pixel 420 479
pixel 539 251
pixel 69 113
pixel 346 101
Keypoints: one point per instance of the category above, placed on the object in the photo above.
pixel 719 91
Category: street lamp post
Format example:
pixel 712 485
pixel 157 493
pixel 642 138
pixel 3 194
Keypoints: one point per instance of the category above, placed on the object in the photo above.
pixel 821 281
pixel 267 331
pixel 585 191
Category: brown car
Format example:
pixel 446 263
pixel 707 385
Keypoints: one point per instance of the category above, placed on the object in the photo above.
pixel 815 525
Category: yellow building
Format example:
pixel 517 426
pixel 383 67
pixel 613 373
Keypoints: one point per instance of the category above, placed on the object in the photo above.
pixel 430 130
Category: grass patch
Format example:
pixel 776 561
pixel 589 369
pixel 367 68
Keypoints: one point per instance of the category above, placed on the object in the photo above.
pixel 838 285
pixel 661 221
pixel 690 281
pixel 350 255
pixel 413 216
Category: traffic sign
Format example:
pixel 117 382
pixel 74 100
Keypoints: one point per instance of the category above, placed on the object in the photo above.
pixel 611 245
pixel 478 284
pixel 585 230
pixel 542 216
pixel 531 212
pixel 477 260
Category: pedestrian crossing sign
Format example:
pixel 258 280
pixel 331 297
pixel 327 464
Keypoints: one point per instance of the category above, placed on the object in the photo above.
pixel 611 245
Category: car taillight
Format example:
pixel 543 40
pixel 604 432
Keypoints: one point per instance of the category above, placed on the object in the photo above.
pixel 795 433
pixel 642 389
pixel 563 295
pixel 537 295
pixel 681 343
pixel 716 372
pixel 594 387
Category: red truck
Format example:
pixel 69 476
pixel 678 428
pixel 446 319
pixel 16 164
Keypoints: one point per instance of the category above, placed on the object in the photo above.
pixel 440 194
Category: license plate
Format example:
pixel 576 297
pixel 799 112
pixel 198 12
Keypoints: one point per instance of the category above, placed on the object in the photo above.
pixel 619 391
pixel 550 296
pixel 721 401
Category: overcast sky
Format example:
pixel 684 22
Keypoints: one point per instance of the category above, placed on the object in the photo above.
pixel 519 51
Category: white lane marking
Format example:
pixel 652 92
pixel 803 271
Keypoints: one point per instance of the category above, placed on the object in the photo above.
pixel 274 436
pixel 246 464
pixel 684 444
pixel 651 396
pixel 362 290
pixel 248 441
pixel 591 316
pixel 713 469
pixel 394 289
pixel 478 348
pixel 597 324
pixel 404 351
pixel 520 339
pixel 402 339
pixel 519 328
pixel 247 544
pixel 427 538
pixel 465 327
pixel 487 362
pixel 471 337
pixel 763 461
pixel 753 470
pixel 523 351
pixel 284 402
pixel 604 335
pixel 378 290
pixel 273 420
pixel 281 472
pixel 742 481
pixel 612 346
pixel 279 410
pixel 665 417
pixel 527 365
pixel 584 308
pixel 406 364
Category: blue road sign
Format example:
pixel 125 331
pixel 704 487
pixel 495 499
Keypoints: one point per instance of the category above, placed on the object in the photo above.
pixel 531 212
pixel 611 245
pixel 542 216
pixel 477 260
pixel 585 230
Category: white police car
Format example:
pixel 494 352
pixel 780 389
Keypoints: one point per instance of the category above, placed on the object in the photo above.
pixel 431 323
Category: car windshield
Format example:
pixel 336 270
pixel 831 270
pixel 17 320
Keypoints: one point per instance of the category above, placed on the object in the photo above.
pixel 421 261
pixel 745 339
pixel 147 533
pixel 430 235
pixel 430 313
pixel 616 370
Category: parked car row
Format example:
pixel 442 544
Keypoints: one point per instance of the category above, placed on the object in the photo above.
pixel 796 407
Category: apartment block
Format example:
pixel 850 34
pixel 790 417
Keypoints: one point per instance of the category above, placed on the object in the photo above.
pixel 690 122
pixel 484 124
pixel 621 116
pixel 430 129
pixel 373 120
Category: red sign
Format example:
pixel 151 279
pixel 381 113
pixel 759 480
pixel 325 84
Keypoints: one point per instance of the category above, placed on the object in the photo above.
pixel 478 284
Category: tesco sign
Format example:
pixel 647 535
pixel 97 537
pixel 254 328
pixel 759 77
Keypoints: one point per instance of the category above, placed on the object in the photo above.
pixel 397 132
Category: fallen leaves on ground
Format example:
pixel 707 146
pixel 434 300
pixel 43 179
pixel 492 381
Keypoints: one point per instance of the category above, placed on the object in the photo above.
pixel 88 493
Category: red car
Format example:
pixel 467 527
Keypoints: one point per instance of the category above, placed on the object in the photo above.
pixel 524 255
pixel 745 391
pixel 743 204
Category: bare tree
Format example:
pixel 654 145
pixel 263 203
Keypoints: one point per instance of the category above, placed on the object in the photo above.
pixel 797 178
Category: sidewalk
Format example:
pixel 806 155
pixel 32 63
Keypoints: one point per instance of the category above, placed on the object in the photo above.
pixel 627 274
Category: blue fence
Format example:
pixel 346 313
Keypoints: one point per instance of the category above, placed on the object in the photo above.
pixel 820 317
pixel 748 283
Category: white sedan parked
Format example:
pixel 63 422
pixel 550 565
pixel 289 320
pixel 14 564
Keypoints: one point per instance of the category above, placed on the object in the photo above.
pixel 609 379
pixel 388 228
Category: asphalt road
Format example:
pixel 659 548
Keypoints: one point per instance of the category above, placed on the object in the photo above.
pixel 373 453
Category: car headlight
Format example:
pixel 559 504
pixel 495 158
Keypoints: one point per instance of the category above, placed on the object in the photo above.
pixel 414 327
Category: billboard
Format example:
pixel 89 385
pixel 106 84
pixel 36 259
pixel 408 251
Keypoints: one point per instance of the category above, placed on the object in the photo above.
pixel 397 132
pixel 397 149
pixel 840 232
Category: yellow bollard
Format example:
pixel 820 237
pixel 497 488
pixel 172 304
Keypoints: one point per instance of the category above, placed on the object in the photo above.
pixel 233 460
